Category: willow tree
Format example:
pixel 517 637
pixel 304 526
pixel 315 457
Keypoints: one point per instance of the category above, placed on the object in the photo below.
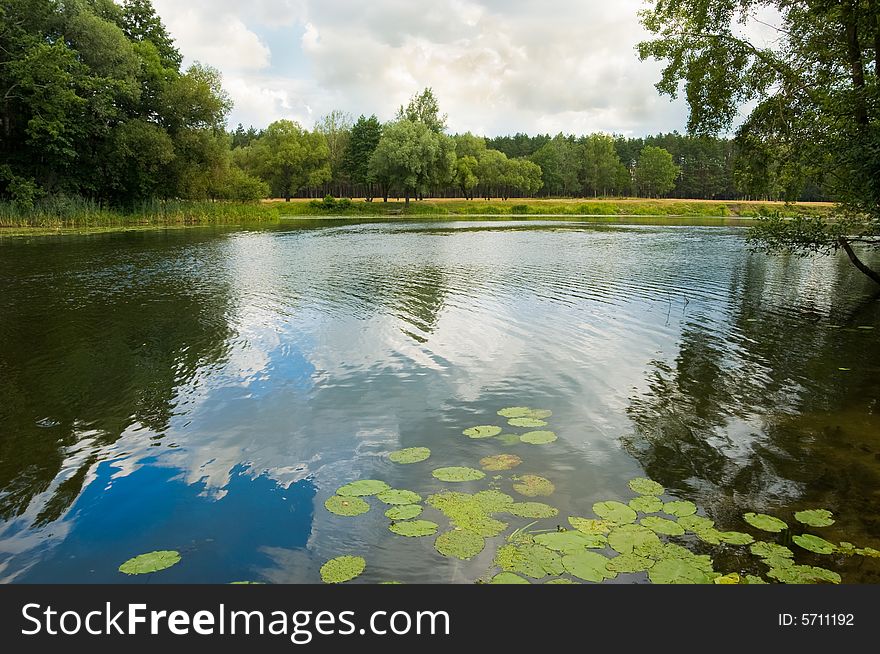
pixel 815 87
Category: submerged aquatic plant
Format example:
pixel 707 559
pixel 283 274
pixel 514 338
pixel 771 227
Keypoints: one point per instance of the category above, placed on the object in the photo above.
pixel 533 486
pixel 500 462
pixel 538 437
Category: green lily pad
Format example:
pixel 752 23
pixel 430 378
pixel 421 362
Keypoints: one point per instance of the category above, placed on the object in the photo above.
pixel 777 561
pixel 589 526
pixel 362 488
pixel 538 437
pixel 804 574
pixel 414 528
pixel 482 431
pixel 869 552
pixel 846 548
pixel 526 422
pixel 508 439
pixel 616 512
pixel 815 517
pixel 346 506
pixel 696 523
pixel 814 544
pixel 531 560
pixel 410 455
pixel 677 571
pixel 540 414
pixel 404 512
pixel 627 539
pixel 534 510
pixel 570 541
pixel 645 486
pixel 735 538
pixel 561 580
pixel 646 504
pixel 515 412
pixel 500 462
pixel 753 579
pixel 680 508
pixel 589 566
pixel 729 579
pixel 493 501
pixel 471 514
pixel 533 486
pixel 629 563
pixel 711 536
pixel 395 496
pixel 662 526
pixel 458 474
pixel 342 569
pixel 508 578
pixel 765 522
pixel 459 544
pixel 765 549
pixel 150 562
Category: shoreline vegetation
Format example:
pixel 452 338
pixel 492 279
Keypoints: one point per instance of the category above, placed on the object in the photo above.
pixel 157 214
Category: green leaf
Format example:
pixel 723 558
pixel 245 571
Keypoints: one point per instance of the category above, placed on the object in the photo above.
pixel 765 549
pixel 500 462
pixel 589 526
pixel 869 552
pixel 696 523
pixel 646 504
pixel 645 486
pixel 526 422
pixel 752 579
pixel 150 562
pixel 482 431
pixel 735 538
pixel 346 506
pixel 471 514
pixel 508 439
pixel 561 580
pixel 458 474
pixel 677 571
pixel 532 510
pixel 508 578
pixel 493 501
pixel 515 412
pixel 804 574
pixel 629 563
pixel 410 455
pixel 589 566
pixel 414 528
pixel 459 544
pixel 394 496
pixel 404 512
pixel 680 509
pixel 538 437
pixel 627 539
pixel 362 488
pixel 711 536
pixel 533 486
pixel 815 517
pixel 729 579
pixel 616 512
pixel 530 559
pixel 662 526
pixel 814 544
pixel 570 541
pixel 765 522
pixel 342 568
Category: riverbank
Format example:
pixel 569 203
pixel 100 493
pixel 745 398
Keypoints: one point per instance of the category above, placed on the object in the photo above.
pixel 89 217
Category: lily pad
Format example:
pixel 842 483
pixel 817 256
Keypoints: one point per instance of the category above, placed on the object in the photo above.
pixel 467 512
pixel 410 455
pixel 629 563
pixel 646 504
pixel 534 510
pixel 753 579
pixel 815 517
pixel 589 526
pixel 526 422
pixel 711 535
pixel 645 486
pixel 150 562
pixel 765 522
pixel 589 566
pixel 533 486
pixel 508 439
pixel 500 462
pixel 680 508
pixel 395 496
pixel 414 528
pixel 458 474
pixel 531 560
pixel 561 580
pixel 735 538
pixel 482 431
pixel 342 569
pixel 538 437
pixel 362 488
pixel 459 544
pixel 508 578
pixel 515 412
pixel 696 523
pixel 677 571
pixel 616 512
pixel 804 574
pixel 346 506
pixel 404 512
pixel 570 541
pixel 662 526
pixel 493 501
pixel 729 579
pixel 869 552
pixel 627 539
pixel 814 544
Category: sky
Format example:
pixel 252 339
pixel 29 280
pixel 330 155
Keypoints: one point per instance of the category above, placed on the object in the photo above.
pixel 496 66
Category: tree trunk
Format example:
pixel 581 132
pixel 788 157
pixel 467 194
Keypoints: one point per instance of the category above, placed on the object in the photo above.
pixel 858 263
pixel 857 70
pixel 406 204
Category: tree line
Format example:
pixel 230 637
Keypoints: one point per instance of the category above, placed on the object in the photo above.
pixel 95 104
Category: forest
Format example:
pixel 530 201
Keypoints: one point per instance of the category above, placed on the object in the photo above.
pixel 97 110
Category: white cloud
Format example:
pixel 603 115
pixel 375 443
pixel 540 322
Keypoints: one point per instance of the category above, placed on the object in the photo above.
pixel 496 67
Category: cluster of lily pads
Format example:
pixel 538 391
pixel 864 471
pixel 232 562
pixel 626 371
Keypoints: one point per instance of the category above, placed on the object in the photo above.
pixel 638 536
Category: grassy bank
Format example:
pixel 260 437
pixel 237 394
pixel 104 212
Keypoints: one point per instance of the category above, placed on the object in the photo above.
pixel 82 214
